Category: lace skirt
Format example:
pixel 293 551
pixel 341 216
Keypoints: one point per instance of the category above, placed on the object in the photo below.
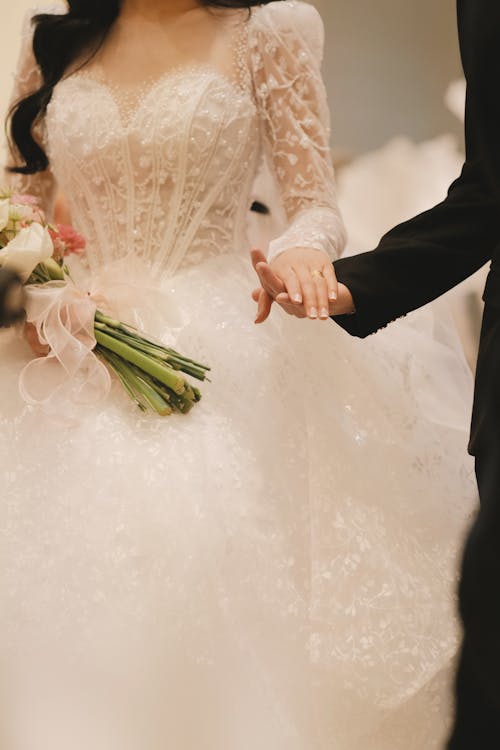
pixel 276 570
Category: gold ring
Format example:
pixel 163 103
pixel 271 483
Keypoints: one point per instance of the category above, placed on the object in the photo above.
pixel 316 274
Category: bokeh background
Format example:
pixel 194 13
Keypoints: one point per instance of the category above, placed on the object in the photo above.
pixel 387 65
pixel 397 145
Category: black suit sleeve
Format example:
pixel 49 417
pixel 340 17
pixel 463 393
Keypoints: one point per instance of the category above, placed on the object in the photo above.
pixel 424 257
pixel 428 255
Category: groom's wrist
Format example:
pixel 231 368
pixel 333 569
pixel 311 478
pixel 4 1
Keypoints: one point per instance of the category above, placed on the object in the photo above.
pixel 344 304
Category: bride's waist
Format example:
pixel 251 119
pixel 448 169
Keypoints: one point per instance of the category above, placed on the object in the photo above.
pixel 138 272
pixel 165 261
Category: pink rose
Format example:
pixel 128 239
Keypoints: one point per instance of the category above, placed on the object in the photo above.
pixel 73 242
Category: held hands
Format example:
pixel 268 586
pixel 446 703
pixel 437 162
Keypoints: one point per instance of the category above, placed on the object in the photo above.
pixel 302 282
pixel 309 280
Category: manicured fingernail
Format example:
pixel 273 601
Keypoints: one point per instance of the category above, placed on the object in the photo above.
pixel 332 295
pixel 313 313
pixel 297 298
pixel 324 313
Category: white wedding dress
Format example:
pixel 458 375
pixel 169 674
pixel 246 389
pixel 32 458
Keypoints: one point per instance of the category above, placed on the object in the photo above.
pixel 277 570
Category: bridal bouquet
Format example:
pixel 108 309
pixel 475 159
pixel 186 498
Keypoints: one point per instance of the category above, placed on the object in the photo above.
pixel 152 374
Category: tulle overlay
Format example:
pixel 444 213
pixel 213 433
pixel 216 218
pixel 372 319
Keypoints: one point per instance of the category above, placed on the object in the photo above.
pixel 290 546
pixel 276 570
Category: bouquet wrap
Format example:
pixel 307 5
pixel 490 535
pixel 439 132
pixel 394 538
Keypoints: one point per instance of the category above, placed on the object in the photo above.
pixel 86 346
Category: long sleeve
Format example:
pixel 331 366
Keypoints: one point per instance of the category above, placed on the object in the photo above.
pixel 286 49
pixel 27 80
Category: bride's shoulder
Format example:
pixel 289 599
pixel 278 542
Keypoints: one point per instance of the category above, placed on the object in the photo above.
pixel 290 16
pixel 287 14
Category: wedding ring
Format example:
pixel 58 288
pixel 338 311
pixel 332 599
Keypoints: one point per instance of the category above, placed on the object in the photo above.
pixel 316 274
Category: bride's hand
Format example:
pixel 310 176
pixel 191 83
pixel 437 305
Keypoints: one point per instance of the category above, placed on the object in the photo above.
pixel 31 336
pixel 272 289
pixel 309 280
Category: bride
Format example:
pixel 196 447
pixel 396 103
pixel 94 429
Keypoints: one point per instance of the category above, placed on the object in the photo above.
pixel 277 569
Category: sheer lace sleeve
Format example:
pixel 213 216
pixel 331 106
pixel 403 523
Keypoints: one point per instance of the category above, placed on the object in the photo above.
pixel 26 80
pixel 286 50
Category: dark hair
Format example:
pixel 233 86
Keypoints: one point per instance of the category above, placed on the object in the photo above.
pixel 59 40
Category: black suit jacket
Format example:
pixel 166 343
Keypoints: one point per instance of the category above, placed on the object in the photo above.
pixel 414 264
pixel 428 255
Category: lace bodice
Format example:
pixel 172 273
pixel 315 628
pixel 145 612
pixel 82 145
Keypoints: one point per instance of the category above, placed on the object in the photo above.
pixel 165 169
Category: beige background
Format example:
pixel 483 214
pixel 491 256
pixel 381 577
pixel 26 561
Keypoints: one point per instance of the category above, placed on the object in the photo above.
pixel 11 17
pixel 387 65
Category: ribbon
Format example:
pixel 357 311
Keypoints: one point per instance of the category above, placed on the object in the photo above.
pixel 64 320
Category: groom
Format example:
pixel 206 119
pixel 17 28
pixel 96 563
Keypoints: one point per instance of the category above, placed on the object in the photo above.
pixel 415 263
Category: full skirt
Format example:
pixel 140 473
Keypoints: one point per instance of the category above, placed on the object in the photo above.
pixel 276 570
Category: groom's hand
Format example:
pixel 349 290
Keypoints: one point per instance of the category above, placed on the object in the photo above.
pixel 272 289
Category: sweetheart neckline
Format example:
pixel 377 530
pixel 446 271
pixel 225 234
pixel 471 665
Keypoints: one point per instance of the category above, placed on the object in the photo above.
pixel 144 92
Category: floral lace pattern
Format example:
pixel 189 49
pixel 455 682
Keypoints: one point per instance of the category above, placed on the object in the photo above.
pixel 166 171
pixel 288 553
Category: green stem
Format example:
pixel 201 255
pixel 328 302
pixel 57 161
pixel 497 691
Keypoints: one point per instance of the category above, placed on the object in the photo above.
pixel 173 353
pixel 153 367
pixel 157 352
pixel 182 403
pixel 127 339
pixel 152 395
pixel 138 385
pixel 163 352
pixel 114 365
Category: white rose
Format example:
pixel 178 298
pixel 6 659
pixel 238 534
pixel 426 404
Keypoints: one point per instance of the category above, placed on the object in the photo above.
pixel 30 247
pixel 20 213
pixel 4 213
